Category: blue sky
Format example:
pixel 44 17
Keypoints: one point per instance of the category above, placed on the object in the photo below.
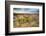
pixel 27 9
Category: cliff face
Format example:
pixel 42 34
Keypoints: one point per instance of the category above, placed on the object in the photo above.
pixel 26 20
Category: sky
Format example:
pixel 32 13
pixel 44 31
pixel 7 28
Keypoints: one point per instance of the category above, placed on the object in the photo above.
pixel 34 10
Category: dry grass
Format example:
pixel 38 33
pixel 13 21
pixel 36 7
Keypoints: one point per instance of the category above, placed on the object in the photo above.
pixel 25 20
